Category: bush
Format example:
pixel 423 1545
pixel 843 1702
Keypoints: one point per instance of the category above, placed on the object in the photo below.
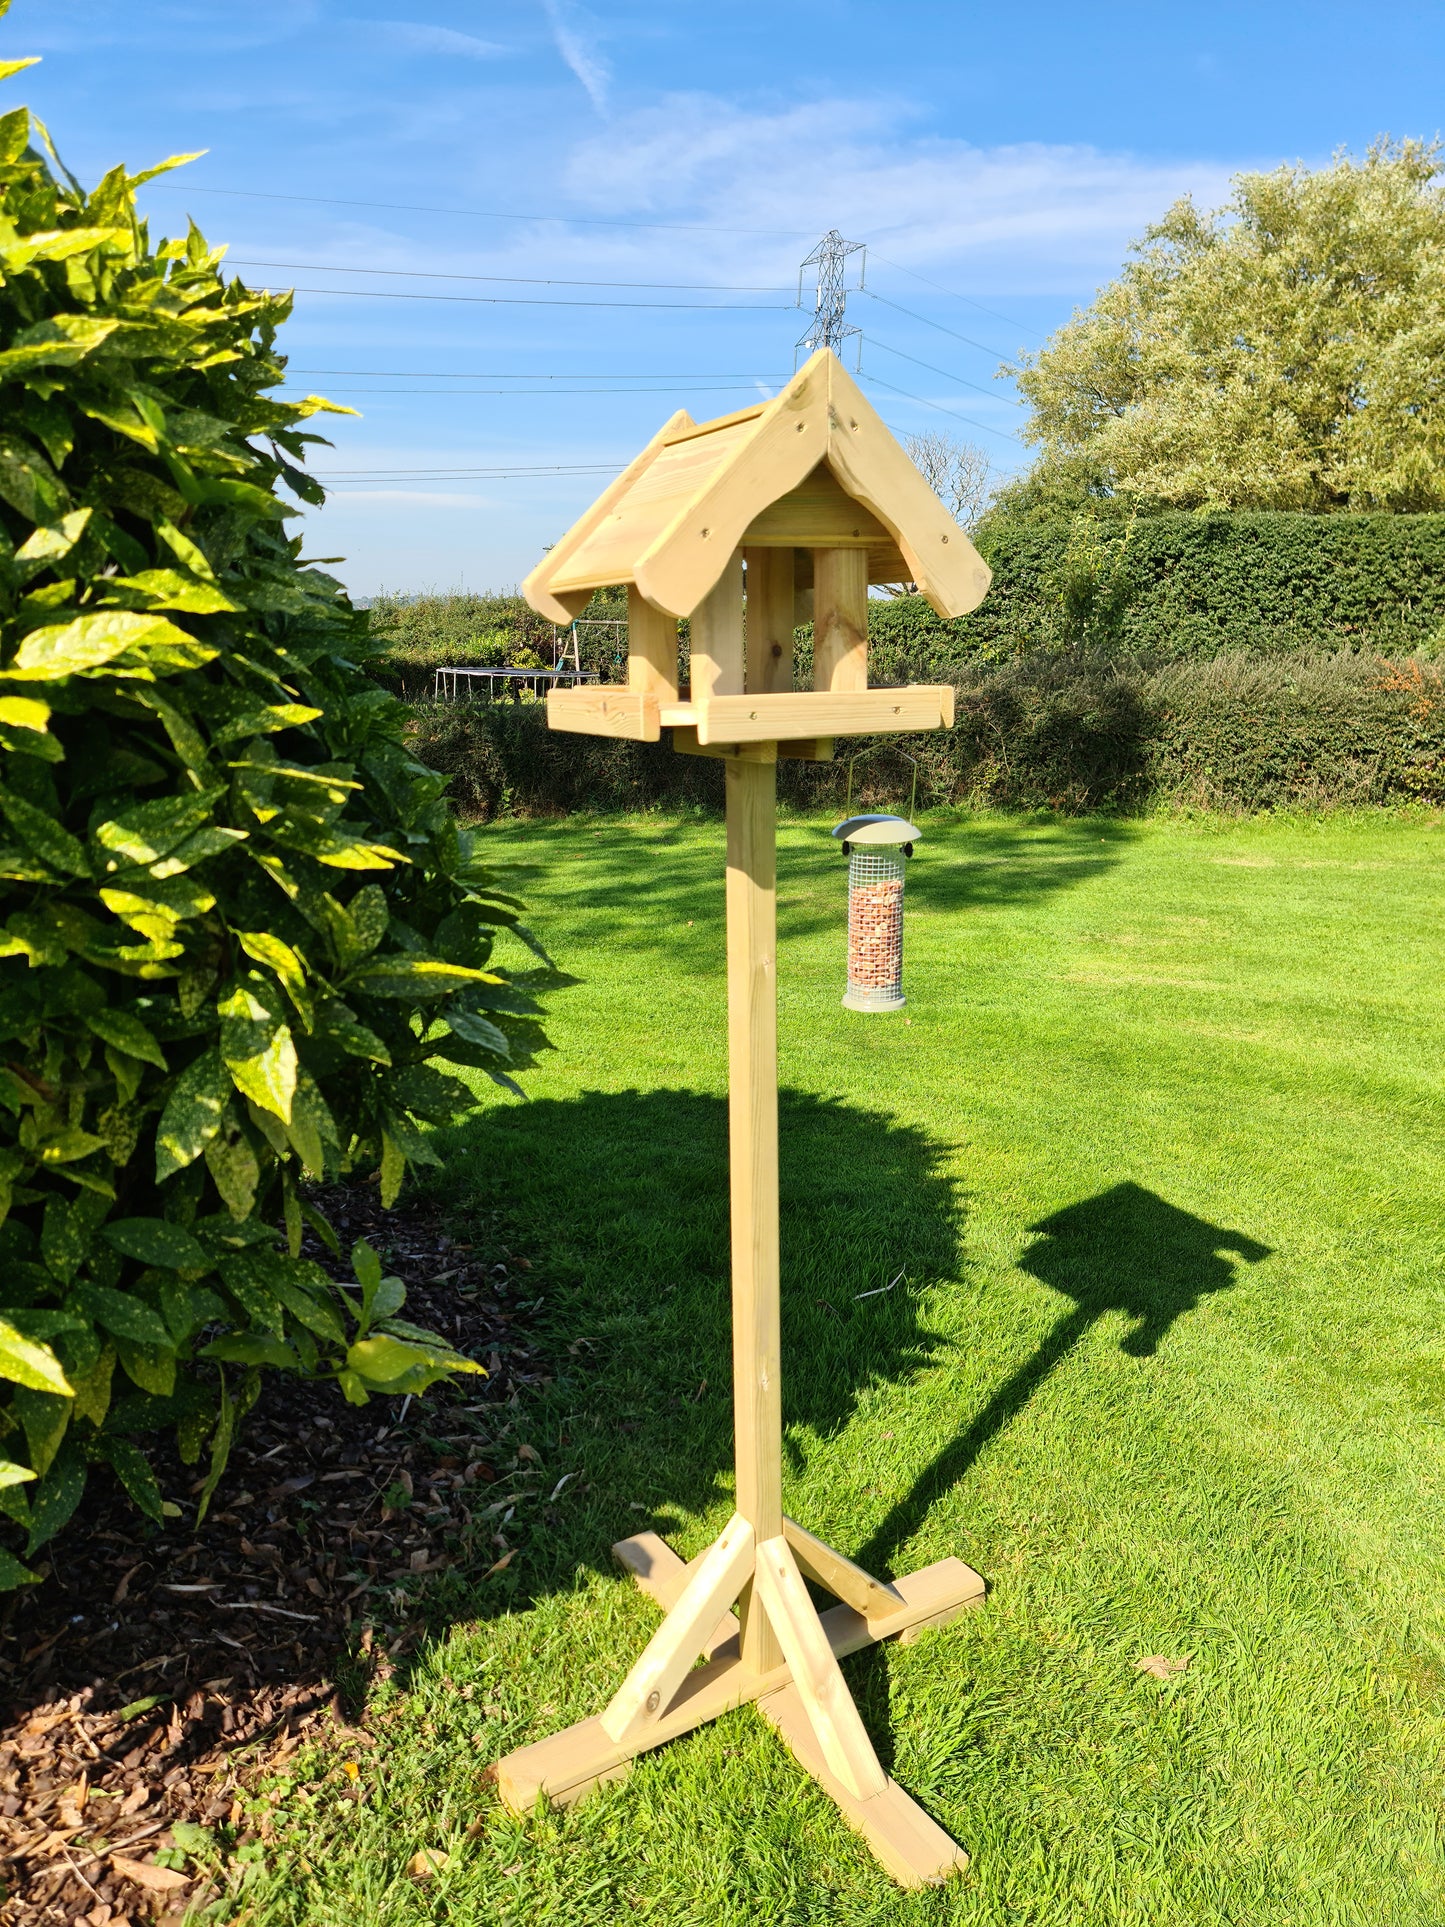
pixel 240 926
pixel 1202 585
pixel 1074 733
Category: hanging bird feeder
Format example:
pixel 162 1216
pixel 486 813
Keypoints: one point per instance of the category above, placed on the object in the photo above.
pixel 876 848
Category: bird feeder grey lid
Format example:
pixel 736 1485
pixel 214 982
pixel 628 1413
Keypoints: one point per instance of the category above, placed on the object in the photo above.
pixel 877 829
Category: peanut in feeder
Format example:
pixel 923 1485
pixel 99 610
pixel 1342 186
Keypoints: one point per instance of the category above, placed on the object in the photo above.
pixel 806 499
pixel 876 848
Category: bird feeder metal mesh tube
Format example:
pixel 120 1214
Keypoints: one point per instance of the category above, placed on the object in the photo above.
pixel 875 928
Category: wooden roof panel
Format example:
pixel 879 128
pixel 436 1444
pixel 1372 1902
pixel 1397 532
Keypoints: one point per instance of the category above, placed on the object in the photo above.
pixel 813 468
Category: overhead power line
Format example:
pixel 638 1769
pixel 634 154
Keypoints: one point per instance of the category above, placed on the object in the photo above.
pixel 544 468
pixel 477 374
pixel 878 382
pixel 512 280
pixel 474 213
pixel 928 322
pixel 948 375
pixel 954 295
pixel 442 394
pixel 539 301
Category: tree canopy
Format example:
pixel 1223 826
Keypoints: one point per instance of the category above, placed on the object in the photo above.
pixel 1286 351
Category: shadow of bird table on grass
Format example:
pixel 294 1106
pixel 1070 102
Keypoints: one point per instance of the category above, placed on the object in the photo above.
pixel 1126 1250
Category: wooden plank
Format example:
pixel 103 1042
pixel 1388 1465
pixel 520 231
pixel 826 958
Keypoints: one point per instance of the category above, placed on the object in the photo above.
pixel 538 587
pixel 840 619
pixel 816 1676
pixel 842 1578
pixel 873 469
pixel 684 741
pixel 769 619
pixel 717 636
pixel 662 494
pixel 803 749
pixel 813 713
pixel 663 1576
pixel 772 454
pixel 718 421
pixel 651 648
pixel 605 709
pixel 817 514
pixel 751 793
pixel 566 1763
pixel 648 1689
pixel 913 1848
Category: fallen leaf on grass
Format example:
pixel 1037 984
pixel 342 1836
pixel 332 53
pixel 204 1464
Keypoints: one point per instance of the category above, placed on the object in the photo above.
pixel 1158 1667
pixel 428 1861
pixel 502 1564
pixel 159 1880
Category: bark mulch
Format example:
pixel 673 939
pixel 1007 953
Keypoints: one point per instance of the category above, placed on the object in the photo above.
pixel 155 1675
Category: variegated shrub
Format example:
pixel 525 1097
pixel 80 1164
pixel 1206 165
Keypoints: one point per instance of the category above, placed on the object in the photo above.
pixel 241 934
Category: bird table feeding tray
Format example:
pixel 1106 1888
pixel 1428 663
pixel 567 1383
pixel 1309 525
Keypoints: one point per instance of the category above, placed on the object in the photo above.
pixel 746 525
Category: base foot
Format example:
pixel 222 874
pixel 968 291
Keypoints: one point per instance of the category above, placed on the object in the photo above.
pixel 567 1766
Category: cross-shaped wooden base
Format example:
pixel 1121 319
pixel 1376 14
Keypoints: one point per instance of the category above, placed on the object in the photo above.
pixel 805 1700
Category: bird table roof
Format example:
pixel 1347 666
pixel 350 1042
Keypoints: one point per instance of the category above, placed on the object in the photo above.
pixel 814 468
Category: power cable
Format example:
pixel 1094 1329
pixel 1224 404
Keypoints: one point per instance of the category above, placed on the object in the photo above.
pixel 471 374
pixel 898 308
pixel 440 394
pixel 514 280
pixel 537 301
pixel 947 373
pixel 545 468
pixel 953 295
pixel 879 382
pixel 475 213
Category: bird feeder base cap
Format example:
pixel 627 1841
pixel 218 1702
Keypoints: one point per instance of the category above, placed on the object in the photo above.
pixel 874 1000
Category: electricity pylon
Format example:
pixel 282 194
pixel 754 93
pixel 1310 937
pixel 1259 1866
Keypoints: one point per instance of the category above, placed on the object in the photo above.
pixel 829 327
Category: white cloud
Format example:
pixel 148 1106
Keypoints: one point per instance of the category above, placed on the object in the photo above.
pixel 440 40
pixel 573 40
pixel 1033 216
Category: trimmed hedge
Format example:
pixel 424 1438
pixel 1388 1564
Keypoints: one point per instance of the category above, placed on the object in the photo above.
pixel 1203 585
pixel 1196 586
pixel 1045 732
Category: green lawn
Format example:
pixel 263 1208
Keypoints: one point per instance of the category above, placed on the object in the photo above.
pixel 1157 1147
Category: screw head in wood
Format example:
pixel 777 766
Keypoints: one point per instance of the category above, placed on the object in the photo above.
pixel 653 1701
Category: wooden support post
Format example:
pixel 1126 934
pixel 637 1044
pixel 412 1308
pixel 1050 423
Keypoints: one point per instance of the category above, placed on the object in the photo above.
pixel 840 619
pixel 834 1718
pixel 844 1580
pixel 753 1147
pixel 647 1691
pixel 717 636
pixel 770 620
pixel 651 649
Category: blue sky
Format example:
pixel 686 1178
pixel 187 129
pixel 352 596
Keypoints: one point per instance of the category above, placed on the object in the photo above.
pixel 996 160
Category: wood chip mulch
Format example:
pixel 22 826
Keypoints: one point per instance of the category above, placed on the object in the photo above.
pixel 157 1674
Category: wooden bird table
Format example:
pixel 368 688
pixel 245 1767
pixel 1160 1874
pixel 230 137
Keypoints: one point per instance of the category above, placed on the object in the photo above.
pixel 844 509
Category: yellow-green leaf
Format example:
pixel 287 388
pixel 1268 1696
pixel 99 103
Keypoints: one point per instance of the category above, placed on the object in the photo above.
pixel 192 1115
pixel 259 1051
pixel 26 1363
pixel 90 642
pixel 24 712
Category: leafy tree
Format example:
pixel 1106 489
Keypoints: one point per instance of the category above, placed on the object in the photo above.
pixel 240 930
pixel 1286 351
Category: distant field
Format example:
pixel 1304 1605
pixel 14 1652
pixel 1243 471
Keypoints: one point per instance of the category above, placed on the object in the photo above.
pixel 1158 1149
